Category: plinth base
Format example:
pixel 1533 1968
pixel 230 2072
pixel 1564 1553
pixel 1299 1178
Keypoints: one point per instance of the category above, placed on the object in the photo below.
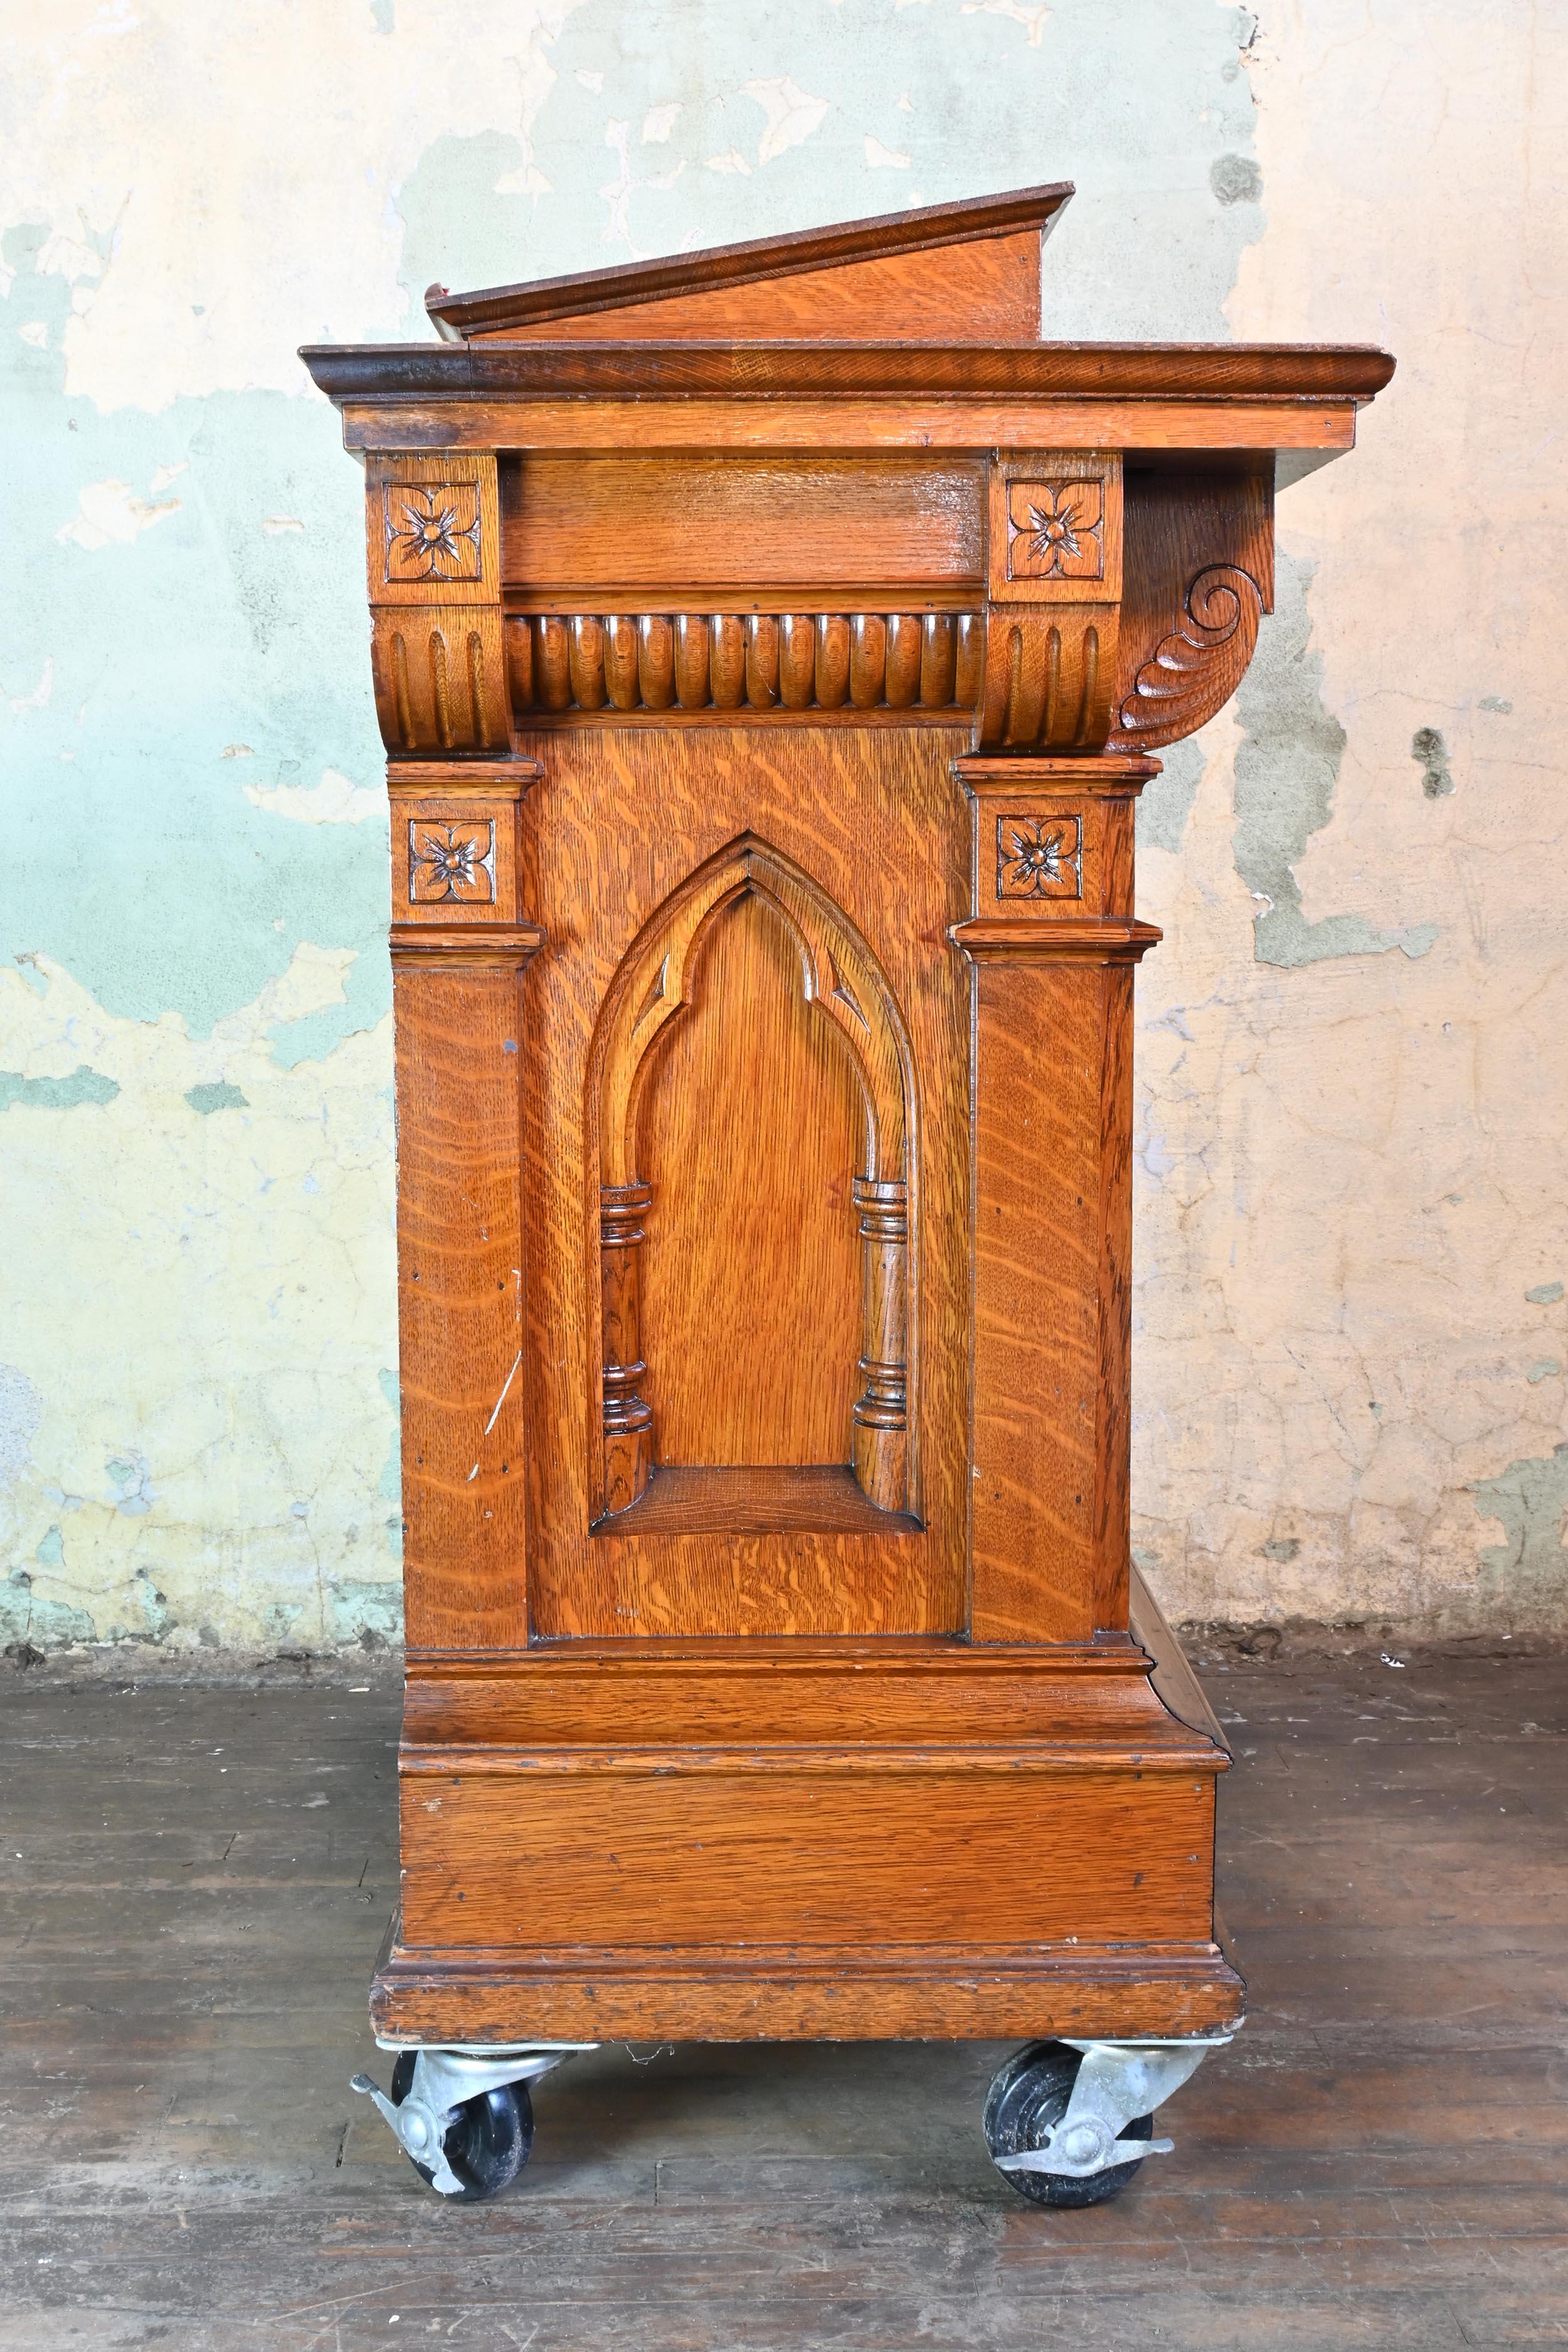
pixel 918 1839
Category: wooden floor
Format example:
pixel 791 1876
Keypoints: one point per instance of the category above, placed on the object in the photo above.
pixel 195 1881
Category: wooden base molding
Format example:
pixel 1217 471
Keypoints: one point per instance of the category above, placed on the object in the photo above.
pixel 969 1993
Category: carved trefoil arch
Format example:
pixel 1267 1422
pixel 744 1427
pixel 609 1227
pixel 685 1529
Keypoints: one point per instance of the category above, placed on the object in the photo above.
pixel 841 980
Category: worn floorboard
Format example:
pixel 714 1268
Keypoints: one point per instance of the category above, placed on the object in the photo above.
pixel 193 1881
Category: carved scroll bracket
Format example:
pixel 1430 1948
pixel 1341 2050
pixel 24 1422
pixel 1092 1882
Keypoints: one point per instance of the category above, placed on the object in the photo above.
pixel 1200 574
pixel 1196 668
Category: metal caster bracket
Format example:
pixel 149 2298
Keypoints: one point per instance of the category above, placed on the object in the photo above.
pixel 1117 2081
pixel 444 2077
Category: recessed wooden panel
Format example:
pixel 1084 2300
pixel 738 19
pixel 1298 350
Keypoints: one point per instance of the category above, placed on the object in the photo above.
pixel 621 820
pixel 671 524
pixel 755 1501
pixel 753 1130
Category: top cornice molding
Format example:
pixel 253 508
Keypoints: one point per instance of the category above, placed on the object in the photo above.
pixel 369 372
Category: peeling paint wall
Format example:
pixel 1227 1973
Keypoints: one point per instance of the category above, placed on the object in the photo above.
pixel 1351 1237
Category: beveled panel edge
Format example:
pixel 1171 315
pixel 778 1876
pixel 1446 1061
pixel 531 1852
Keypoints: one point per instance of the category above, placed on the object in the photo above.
pixel 1171 1750
pixel 1124 773
pixel 448 779
pixel 997 940
pixel 435 948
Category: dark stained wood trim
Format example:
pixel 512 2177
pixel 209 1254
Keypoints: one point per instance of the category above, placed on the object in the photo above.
pixel 762 371
pixel 491 309
pixel 919 1655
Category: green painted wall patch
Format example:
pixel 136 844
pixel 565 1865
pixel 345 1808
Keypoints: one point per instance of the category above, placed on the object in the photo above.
pixel 83 1085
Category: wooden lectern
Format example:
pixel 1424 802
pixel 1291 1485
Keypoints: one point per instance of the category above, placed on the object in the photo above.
pixel 768 645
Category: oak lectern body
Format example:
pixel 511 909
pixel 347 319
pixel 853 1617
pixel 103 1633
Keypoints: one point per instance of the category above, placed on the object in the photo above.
pixel 768 645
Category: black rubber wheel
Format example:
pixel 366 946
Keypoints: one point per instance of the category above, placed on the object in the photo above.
pixel 1026 2099
pixel 488 2141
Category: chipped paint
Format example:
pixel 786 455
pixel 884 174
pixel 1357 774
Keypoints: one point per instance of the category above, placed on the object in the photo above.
pixel 1523 1573
pixel 1287 768
pixel 1356 1075
pixel 82 1085
pixel 231 1220
pixel 1350 1185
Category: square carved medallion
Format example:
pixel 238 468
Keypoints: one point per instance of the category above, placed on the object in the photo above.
pixel 452 861
pixel 1056 531
pixel 432 532
pixel 1039 858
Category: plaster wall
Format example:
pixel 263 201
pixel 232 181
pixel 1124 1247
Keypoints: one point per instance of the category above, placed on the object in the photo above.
pixel 1352 1087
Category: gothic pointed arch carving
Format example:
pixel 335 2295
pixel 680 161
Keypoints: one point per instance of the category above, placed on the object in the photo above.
pixel 843 982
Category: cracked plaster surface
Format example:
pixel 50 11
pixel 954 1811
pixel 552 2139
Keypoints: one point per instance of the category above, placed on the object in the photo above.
pixel 1350 1242
pixel 198 1434
pixel 1351 1213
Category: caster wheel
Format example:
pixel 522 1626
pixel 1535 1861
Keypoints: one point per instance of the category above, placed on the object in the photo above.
pixel 488 2141
pixel 1026 2099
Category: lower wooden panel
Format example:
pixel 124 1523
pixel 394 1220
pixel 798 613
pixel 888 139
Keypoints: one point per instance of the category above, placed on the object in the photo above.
pixel 868 1848
pixel 773 1996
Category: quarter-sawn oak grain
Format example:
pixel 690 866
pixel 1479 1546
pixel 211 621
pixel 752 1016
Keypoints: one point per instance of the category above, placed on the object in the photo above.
pixel 769 643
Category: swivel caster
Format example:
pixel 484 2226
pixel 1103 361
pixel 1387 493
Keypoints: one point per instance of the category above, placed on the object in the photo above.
pixel 463 2118
pixel 486 2143
pixel 1069 2122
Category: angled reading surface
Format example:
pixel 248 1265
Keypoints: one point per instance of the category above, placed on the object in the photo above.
pixel 957 272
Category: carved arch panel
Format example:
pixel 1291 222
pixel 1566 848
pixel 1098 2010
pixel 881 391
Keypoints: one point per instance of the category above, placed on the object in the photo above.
pixel 840 981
